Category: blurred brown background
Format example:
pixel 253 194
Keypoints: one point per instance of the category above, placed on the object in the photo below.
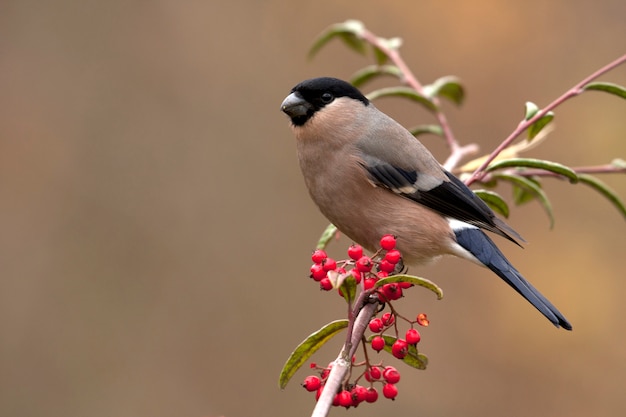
pixel 155 231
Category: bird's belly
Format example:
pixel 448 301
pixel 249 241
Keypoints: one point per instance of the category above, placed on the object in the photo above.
pixel 421 234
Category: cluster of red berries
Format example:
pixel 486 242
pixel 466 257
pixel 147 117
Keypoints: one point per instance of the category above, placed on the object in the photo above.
pixel 400 347
pixel 361 267
pixel 354 394
pixel 367 271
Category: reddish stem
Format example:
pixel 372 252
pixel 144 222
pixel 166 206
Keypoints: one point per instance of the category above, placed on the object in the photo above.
pixel 457 152
pixel 525 124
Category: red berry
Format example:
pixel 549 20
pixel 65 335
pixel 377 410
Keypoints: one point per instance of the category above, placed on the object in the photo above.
pixel 413 336
pixel 390 292
pixel 359 394
pixel 345 399
pixel 355 252
pixel 390 391
pixel 317 272
pixel 393 256
pixel 356 274
pixel 372 395
pixel 400 349
pixel 388 242
pixel 386 266
pixel 318 256
pixel 364 264
pixel 312 383
pixel 422 320
pixel 318 393
pixel 388 319
pixel 405 285
pixel 391 375
pixel 382 274
pixel 378 343
pixel 329 264
pixel 326 284
pixel 313 365
pixel 376 325
pixel 369 283
pixel 373 374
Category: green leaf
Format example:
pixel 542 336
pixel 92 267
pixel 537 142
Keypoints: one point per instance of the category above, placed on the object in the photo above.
pixel 348 289
pixel 449 87
pixel 536 163
pixel 533 188
pixel 422 282
pixel 380 56
pixel 536 127
pixel 611 88
pixel 413 358
pixel 531 110
pixel 494 201
pixel 349 31
pixel 353 42
pixel 521 195
pixel 307 348
pixel 406 92
pixel 372 71
pixel 389 44
pixel 605 190
pixel 423 129
pixel 327 235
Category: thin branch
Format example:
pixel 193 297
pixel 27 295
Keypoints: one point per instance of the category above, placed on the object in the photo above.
pixel 525 124
pixel 341 365
pixel 457 152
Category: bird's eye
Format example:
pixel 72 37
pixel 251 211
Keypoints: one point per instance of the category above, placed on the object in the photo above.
pixel 327 98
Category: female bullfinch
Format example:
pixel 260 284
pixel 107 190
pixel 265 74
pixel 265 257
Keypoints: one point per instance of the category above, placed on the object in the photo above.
pixel 370 177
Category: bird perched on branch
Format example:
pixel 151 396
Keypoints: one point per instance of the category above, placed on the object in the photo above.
pixel 370 177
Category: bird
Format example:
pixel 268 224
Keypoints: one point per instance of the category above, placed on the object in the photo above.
pixel 369 176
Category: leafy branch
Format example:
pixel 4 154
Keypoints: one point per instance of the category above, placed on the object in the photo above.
pixel 503 164
pixel 522 173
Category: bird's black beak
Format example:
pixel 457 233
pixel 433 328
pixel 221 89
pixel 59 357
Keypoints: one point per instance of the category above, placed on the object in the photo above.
pixel 295 106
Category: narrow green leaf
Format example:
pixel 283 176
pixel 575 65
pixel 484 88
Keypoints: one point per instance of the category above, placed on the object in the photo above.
pixel 380 56
pixel 531 110
pixel 413 358
pixel 536 127
pixel 494 201
pixel 605 190
pixel 353 42
pixel 372 71
pixel 423 129
pixel 349 31
pixel 521 195
pixel 389 44
pixel 348 289
pixel 406 92
pixel 327 235
pixel 535 163
pixel 422 282
pixel 307 348
pixel 610 88
pixel 532 188
pixel 449 87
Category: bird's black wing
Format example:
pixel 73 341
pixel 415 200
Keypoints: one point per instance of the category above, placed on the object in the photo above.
pixel 447 195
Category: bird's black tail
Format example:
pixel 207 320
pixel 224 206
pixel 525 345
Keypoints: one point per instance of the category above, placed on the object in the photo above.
pixel 482 247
